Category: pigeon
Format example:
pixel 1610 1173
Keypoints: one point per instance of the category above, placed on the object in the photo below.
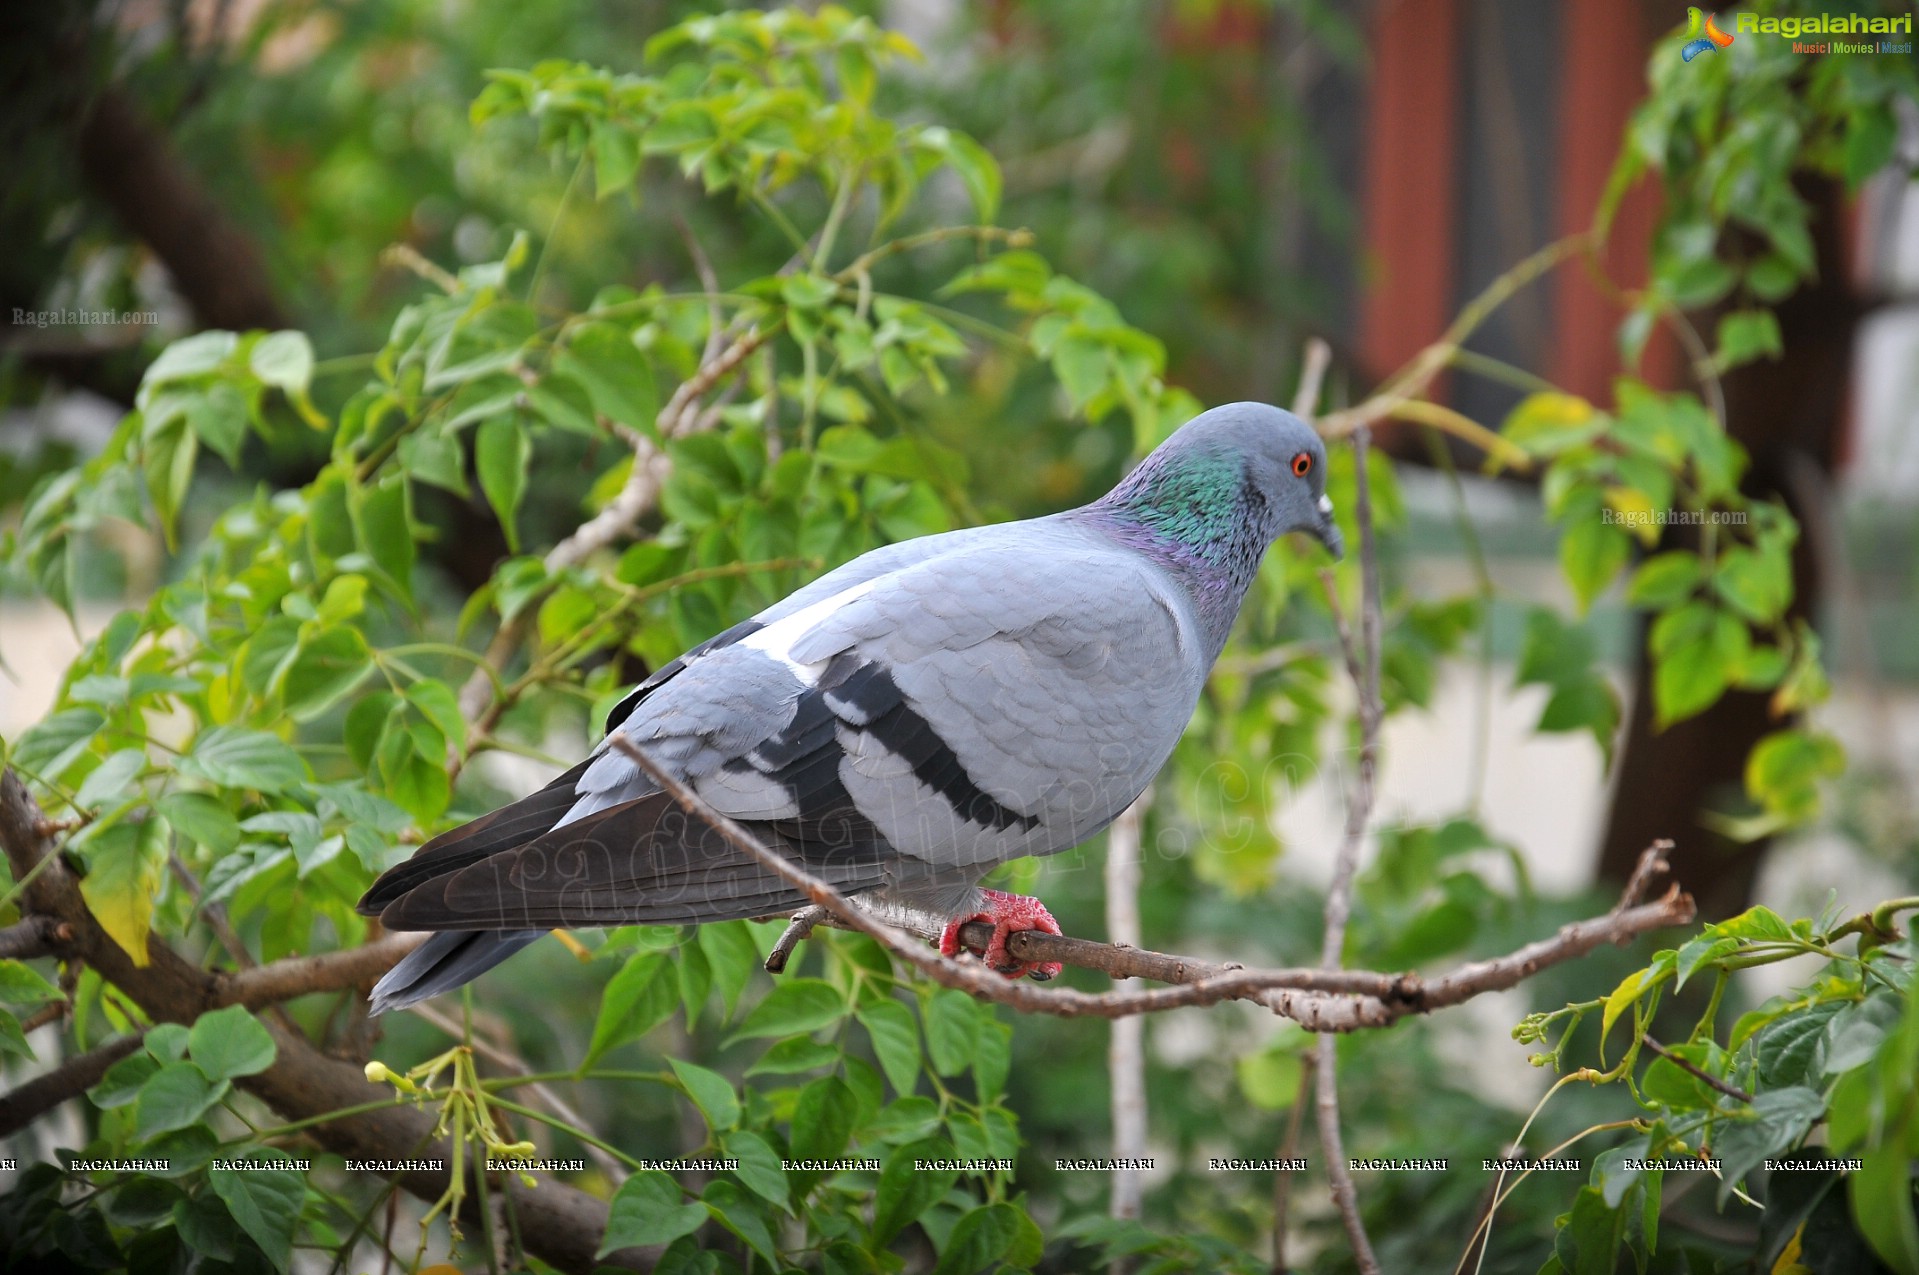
pixel 898 727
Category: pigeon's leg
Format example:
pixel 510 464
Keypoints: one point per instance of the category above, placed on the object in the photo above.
pixel 1006 913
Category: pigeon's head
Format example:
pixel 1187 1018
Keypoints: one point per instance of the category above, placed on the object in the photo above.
pixel 1252 462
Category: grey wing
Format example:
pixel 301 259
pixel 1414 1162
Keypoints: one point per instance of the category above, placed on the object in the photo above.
pixel 1008 700
pixel 911 730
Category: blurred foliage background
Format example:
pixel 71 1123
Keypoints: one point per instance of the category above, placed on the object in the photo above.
pixel 1233 177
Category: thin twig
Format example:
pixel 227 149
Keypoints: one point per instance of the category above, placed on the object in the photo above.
pixel 33 937
pixel 636 498
pixel 22 1106
pixel 1413 380
pixel 797 929
pixel 1359 810
pixel 1288 1150
pixel 1312 374
pixel 1198 982
pixel 709 282
pixel 1730 1090
pixel 1126 1045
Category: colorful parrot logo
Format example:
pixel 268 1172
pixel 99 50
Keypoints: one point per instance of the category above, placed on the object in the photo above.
pixel 1696 42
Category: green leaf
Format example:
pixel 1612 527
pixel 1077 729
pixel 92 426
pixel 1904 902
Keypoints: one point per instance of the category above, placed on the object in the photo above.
pixel 166 463
pixel 123 1081
pixel 501 454
pixel 1745 335
pixel 189 357
pixel 1591 553
pixel 648 1209
pixel 1791 1049
pixel 167 1042
pixel 731 956
pixel 759 1169
pixel 13 1041
pixel 1692 676
pixel 903 1120
pixel 326 667
pixel 236 757
pixel 125 864
pixel 740 1214
pixel 792 1008
pixel 200 818
pixel 823 1119
pixel 1270 1079
pixel 896 1042
pixel 384 530
pixel 1871 132
pixel 1630 988
pixel 639 998
pixel 230 1042
pixel 602 358
pixel 175 1096
pixel 979 1240
pixel 1786 768
pixel 802 1053
pixel 711 1092
pixel 1665 580
pixel 905 1192
pixel 1593 1233
pixel 219 418
pixel 1755 583
pixel 21 985
pixel 1779 1120
pixel 1881 1196
pixel 439 705
pixel 978 172
pixel 266 1203
pixel 284 360
pixel 1855 1033
pixel 1759 923
pixel 107 786
pixel 992 1056
pixel 951 1019
pixel 616 158
pixel 1703 950
pixel 1549 423
pixel 52 745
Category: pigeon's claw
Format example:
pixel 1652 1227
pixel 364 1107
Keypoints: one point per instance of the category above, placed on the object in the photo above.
pixel 1006 913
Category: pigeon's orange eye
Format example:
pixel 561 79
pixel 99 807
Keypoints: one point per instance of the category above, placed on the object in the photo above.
pixel 1302 464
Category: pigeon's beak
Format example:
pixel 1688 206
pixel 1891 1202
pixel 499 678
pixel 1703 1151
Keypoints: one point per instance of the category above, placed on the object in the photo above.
pixel 1327 531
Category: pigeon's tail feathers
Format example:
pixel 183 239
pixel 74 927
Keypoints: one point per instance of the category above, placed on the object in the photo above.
pixel 506 828
pixel 644 861
pixel 445 961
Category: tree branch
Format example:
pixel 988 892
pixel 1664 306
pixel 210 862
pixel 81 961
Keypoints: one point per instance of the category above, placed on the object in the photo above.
pixel 1363 999
pixel 1730 1090
pixel 136 171
pixel 1359 813
pixel 1126 1046
pixel 293 976
pixel 559 1223
pixel 22 1106
pixel 35 936
pixel 635 499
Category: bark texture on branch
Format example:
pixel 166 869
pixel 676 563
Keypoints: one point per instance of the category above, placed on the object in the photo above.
pixel 22 1106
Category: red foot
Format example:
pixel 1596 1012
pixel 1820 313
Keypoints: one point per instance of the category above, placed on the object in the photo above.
pixel 1006 913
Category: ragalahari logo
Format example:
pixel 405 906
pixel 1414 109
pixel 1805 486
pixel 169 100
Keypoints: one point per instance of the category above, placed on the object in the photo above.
pixel 1702 35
